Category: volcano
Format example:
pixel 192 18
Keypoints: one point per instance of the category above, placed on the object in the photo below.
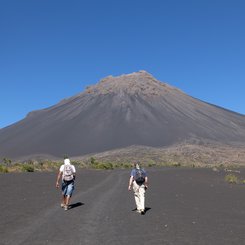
pixel 129 110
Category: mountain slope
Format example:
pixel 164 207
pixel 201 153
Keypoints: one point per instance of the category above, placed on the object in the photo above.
pixel 133 109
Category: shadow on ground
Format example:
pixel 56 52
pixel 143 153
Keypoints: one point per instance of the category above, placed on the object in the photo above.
pixel 75 205
pixel 146 209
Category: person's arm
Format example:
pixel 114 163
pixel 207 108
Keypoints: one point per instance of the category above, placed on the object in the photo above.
pixel 74 172
pixel 58 179
pixel 146 182
pixel 130 182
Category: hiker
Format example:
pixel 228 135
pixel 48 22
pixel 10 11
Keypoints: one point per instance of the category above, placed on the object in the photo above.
pixel 139 180
pixel 67 171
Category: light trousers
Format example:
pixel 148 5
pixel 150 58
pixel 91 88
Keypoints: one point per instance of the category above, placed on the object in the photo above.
pixel 139 195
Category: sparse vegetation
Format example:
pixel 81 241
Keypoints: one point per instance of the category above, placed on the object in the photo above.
pixel 66 156
pixel 47 166
pixel 232 179
pixel 100 165
pixel 104 166
pixel 28 167
pixel 123 159
pixel 3 169
pixel 151 163
pixel 93 161
pixel 6 161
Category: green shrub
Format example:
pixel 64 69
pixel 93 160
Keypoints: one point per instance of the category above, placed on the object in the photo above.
pixel 232 179
pixel 66 156
pixel 151 163
pixel 49 165
pixel 104 166
pixel 6 161
pixel 27 168
pixel 92 160
pixel 177 164
pixel 100 165
pixel 3 169
pixel 123 165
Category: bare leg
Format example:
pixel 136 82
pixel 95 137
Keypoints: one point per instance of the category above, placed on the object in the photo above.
pixel 64 199
pixel 67 200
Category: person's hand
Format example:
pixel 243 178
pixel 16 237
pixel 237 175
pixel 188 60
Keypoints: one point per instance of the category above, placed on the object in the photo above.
pixel 129 187
pixel 57 185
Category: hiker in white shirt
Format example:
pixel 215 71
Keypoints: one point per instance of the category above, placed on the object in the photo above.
pixel 67 171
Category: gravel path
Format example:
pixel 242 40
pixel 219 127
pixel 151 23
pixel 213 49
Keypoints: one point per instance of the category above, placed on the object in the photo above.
pixel 184 207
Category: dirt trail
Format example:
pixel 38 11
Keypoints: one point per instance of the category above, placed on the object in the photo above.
pixel 184 207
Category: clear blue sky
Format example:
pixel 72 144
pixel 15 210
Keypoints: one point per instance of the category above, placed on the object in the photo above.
pixel 53 49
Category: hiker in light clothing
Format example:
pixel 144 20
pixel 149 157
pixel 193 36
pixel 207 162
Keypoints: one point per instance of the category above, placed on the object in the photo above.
pixel 139 180
pixel 67 171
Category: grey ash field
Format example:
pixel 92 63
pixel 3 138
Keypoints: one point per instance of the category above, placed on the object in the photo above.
pixel 184 206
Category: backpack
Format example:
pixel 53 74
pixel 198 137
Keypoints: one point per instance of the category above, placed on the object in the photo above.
pixel 140 176
pixel 67 173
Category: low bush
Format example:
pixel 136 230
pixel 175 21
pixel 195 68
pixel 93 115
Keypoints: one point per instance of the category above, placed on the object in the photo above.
pixel 232 179
pixel 3 169
pixel 48 166
pixel 28 168
pixel 104 166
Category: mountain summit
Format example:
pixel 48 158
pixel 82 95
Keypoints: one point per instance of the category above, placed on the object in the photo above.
pixel 140 83
pixel 118 112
